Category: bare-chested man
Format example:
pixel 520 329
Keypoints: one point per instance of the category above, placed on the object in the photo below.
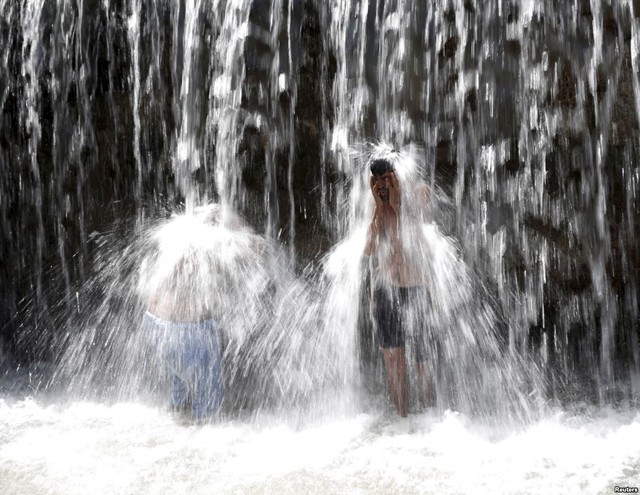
pixel 398 278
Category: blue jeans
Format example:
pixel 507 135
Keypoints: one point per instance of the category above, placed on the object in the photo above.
pixel 190 358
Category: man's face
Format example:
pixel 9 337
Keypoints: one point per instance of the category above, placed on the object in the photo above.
pixel 381 185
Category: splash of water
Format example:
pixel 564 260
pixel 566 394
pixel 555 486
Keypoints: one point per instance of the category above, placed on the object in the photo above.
pixel 284 348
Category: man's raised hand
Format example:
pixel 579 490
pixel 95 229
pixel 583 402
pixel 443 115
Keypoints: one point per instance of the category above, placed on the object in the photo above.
pixel 394 193
pixel 372 185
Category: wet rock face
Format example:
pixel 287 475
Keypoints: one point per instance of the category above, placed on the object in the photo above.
pixel 528 118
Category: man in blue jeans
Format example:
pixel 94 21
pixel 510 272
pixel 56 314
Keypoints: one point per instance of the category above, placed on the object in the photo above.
pixel 190 358
pixel 183 290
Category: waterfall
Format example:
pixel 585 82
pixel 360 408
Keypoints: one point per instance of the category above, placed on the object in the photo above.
pixel 521 117
pixel 205 163
pixel 520 106
pixel 31 73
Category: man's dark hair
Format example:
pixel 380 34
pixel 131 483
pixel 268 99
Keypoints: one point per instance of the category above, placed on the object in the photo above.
pixel 381 165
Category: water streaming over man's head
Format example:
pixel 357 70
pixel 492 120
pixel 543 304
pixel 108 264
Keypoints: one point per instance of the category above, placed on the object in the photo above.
pixel 454 317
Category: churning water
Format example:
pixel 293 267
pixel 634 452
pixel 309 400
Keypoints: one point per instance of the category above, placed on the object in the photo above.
pixel 130 448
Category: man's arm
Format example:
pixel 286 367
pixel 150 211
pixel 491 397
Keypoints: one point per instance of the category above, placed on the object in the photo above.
pixel 372 233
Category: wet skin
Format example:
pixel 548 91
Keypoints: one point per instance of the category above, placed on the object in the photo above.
pixel 402 271
pixel 386 193
pixel 382 185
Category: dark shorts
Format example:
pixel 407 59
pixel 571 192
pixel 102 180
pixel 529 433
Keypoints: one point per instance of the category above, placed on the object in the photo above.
pixel 400 314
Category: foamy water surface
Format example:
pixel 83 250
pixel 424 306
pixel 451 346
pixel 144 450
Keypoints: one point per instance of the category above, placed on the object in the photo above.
pixel 129 448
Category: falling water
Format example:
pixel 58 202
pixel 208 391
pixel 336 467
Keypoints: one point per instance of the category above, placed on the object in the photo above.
pixel 269 360
pixel 31 74
pixel 220 148
pixel 523 105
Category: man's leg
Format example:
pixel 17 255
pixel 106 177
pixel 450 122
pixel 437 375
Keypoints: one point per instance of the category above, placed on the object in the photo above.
pixel 177 369
pixel 426 385
pixel 417 304
pixel 209 386
pixel 178 394
pixel 396 367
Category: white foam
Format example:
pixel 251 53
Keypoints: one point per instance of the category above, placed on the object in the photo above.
pixel 130 448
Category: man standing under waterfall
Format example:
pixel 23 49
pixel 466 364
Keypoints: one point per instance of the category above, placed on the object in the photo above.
pixel 399 296
pixel 180 318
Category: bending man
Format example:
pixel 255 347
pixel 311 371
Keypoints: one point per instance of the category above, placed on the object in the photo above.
pixel 183 315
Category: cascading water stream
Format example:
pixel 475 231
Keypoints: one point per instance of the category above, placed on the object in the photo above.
pixel 227 116
pixel 32 72
pixel 189 148
pixel 133 32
